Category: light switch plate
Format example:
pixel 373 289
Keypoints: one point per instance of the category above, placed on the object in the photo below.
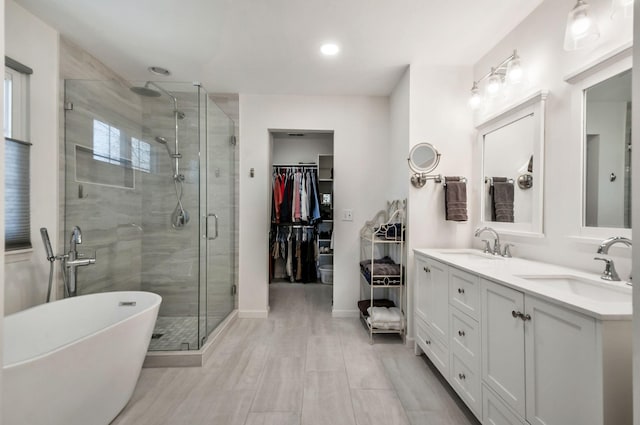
pixel 347 215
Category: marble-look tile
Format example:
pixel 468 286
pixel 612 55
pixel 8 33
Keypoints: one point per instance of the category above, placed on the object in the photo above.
pixel 378 407
pixel 327 399
pixel 324 353
pixel 364 368
pixel 281 386
pixel 273 418
pixel 261 373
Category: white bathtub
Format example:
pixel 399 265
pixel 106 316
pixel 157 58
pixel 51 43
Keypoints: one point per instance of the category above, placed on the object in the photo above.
pixel 75 361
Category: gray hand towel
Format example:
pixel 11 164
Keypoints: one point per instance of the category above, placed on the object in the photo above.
pixel 502 200
pixel 455 199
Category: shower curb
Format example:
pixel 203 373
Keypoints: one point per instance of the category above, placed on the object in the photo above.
pixel 195 358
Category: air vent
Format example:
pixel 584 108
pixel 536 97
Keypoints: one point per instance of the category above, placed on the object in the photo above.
pixel 295 134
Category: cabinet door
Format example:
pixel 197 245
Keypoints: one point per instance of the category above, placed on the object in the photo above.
pixel 503 361
pixel 434 297
pixel 494 412
pixel 421 298
pixel 562 366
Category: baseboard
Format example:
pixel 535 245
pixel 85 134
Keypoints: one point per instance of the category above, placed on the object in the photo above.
pixel 409 341
pixel 253 314
pixel 345 313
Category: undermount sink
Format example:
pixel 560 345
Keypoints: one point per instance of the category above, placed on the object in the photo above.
pixel 471 255
pixel 581 287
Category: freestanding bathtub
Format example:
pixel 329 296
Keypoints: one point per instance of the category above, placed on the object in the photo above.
pixel 75 361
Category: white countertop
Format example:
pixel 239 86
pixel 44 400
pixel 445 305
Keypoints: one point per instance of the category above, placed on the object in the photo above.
pixel 614 303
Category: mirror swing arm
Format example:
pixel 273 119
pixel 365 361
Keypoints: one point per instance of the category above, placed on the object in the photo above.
pixel 420 179
pixel 422 167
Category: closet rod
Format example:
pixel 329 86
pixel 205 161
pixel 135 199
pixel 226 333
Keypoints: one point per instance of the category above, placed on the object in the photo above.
pixel 302 165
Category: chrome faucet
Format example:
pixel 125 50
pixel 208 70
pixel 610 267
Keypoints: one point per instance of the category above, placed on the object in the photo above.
pixel 496 237
pixel 72 261
pixel 610 272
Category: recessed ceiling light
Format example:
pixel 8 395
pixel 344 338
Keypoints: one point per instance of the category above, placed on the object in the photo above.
pixel 329 49
pixel 158 70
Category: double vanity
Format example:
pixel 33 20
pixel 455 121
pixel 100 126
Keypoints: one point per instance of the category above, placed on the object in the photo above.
pixel 524 342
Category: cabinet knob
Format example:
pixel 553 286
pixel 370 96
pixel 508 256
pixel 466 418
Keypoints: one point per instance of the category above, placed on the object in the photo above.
pixel 462 376
pixel 460 291
pixel 426 341
pixel 461 333
pixel 525 317
pixel 515 314
pixel 426 269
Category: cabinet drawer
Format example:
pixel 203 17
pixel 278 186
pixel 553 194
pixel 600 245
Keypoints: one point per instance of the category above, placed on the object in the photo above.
pixel 467 383
pixel 495 412
pixel 435 349
pixel 465 338
pixel 464 292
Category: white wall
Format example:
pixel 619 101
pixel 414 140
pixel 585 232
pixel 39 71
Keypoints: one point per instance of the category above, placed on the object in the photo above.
pixel 398 149
pixel 2 279
pixel 361 133
pixel 292 150
pixel 35 44
pixel 438 115
pixel 539 40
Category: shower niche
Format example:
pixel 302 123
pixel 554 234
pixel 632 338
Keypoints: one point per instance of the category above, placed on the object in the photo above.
pixel 150 178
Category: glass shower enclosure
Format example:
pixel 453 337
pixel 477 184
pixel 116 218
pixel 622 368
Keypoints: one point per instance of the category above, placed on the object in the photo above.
pixel 149 179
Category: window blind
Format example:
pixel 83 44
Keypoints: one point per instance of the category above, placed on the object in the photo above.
pixel 16 190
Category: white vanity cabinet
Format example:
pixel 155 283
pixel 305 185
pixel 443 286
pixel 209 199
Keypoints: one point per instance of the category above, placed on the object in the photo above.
pixel 548 362
pixel 515 357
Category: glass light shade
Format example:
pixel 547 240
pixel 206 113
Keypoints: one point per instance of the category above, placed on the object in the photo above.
pixel 623 8
pixel 515 73
pixel 475 100
pixel 581 28
pixel 493 85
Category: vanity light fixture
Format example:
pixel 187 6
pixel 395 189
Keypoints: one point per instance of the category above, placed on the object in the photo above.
pixel 622 8
pixel 509 71
pixel 581 28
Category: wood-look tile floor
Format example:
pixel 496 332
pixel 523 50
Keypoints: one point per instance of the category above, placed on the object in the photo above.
pixel 298 367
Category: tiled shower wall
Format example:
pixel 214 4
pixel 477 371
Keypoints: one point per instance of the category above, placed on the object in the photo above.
pixel 145 251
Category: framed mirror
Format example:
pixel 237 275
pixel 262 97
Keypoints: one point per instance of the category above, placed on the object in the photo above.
pixel 423 158
pixel 607 153
pixel 601 127
pixel 512 144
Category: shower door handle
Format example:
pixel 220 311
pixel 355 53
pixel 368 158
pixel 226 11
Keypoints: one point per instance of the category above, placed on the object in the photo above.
pixel 215 228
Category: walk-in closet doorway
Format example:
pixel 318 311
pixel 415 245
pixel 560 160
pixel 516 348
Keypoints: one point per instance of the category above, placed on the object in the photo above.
pixel 301 246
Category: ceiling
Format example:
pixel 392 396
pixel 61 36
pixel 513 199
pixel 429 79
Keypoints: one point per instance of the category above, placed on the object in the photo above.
pixel 272 46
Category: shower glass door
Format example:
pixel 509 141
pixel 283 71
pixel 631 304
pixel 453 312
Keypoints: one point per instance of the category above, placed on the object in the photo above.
pixel 220 192
pixel 143 169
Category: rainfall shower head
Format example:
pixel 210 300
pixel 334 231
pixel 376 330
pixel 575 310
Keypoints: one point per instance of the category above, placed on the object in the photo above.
pixel 145 91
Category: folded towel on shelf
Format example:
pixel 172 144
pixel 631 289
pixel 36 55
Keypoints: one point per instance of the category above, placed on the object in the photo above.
pixel 385 318
pixel 502 194
pixel 455 199
pixel 385 325
pixel 363 305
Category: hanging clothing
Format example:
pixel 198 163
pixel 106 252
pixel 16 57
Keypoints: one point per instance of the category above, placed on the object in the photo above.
pixel 294 196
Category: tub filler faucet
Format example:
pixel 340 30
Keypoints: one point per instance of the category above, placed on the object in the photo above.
pixel 72 261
